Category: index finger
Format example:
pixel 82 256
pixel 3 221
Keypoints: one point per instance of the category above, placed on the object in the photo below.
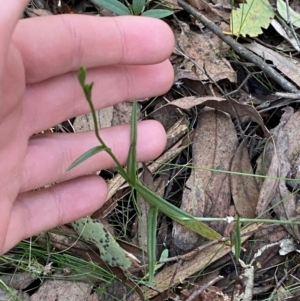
pixel 54 45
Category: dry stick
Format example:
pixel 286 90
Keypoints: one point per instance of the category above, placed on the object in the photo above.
pixel 242 51
pixel 282 280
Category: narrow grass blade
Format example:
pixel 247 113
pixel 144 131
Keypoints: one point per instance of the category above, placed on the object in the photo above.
pixel 114 6
pixel 157 13
pixel 131 162
pixel 151 233
pixel 237 239
pixel 91 152
pixel 175 213
pixel 11 294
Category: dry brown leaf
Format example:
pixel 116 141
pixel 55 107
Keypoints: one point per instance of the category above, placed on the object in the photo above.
pixel 17 281
pixel 207 193
pixel 285 203
pixel 166 115
pixel 212 293
pixel 224 3
pixel 173 4
pixel 212 12
pixel 269 164
pixel 122 113
pixel 244 189
pixel 85 122
pixel 203 51
pixel 288 66
pixel 268 188
pixel 233 108
pixel 285 34
pixel 287 150
pixel 63 291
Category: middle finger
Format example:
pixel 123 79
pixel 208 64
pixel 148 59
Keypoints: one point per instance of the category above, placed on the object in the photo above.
pixel 55 100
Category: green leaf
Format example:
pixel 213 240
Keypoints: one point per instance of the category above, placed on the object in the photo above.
pixel 151 233
pixel 237 239
pixel 164 255
pixel 157 13
pixel 175 213
pixel 87 88
pixel 137 6
pixel 294 16
pixel 131 162
pixel 114 6
pixel 91 152
pixel 251 17
pixel 82 75
pixel 110 251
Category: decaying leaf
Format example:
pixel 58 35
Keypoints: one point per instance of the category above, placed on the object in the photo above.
pixel 213 293
pixel 244 188
pixel 287 150
pixel 269 164
pixel 270 184
pixel 233 108
pixel 251 17
pixel 207 193
pixel 122 113
pixel 288 66
pixel 110 251
pixel 166 115
pixel 203 293
pixel 287 13
pixel 85 122
pixel 216 13
pixel 285 33
pixel 64 291
pixel 203 51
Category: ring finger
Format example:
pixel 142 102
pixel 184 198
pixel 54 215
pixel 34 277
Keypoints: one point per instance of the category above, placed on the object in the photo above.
pixel 57 151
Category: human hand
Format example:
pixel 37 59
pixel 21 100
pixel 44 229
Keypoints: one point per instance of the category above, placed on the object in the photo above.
pixel 126 58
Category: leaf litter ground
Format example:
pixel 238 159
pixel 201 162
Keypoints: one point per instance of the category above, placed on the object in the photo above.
pixel 233 139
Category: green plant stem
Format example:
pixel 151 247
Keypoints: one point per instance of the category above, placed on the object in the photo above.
pixel 229 172
pixel 248 220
